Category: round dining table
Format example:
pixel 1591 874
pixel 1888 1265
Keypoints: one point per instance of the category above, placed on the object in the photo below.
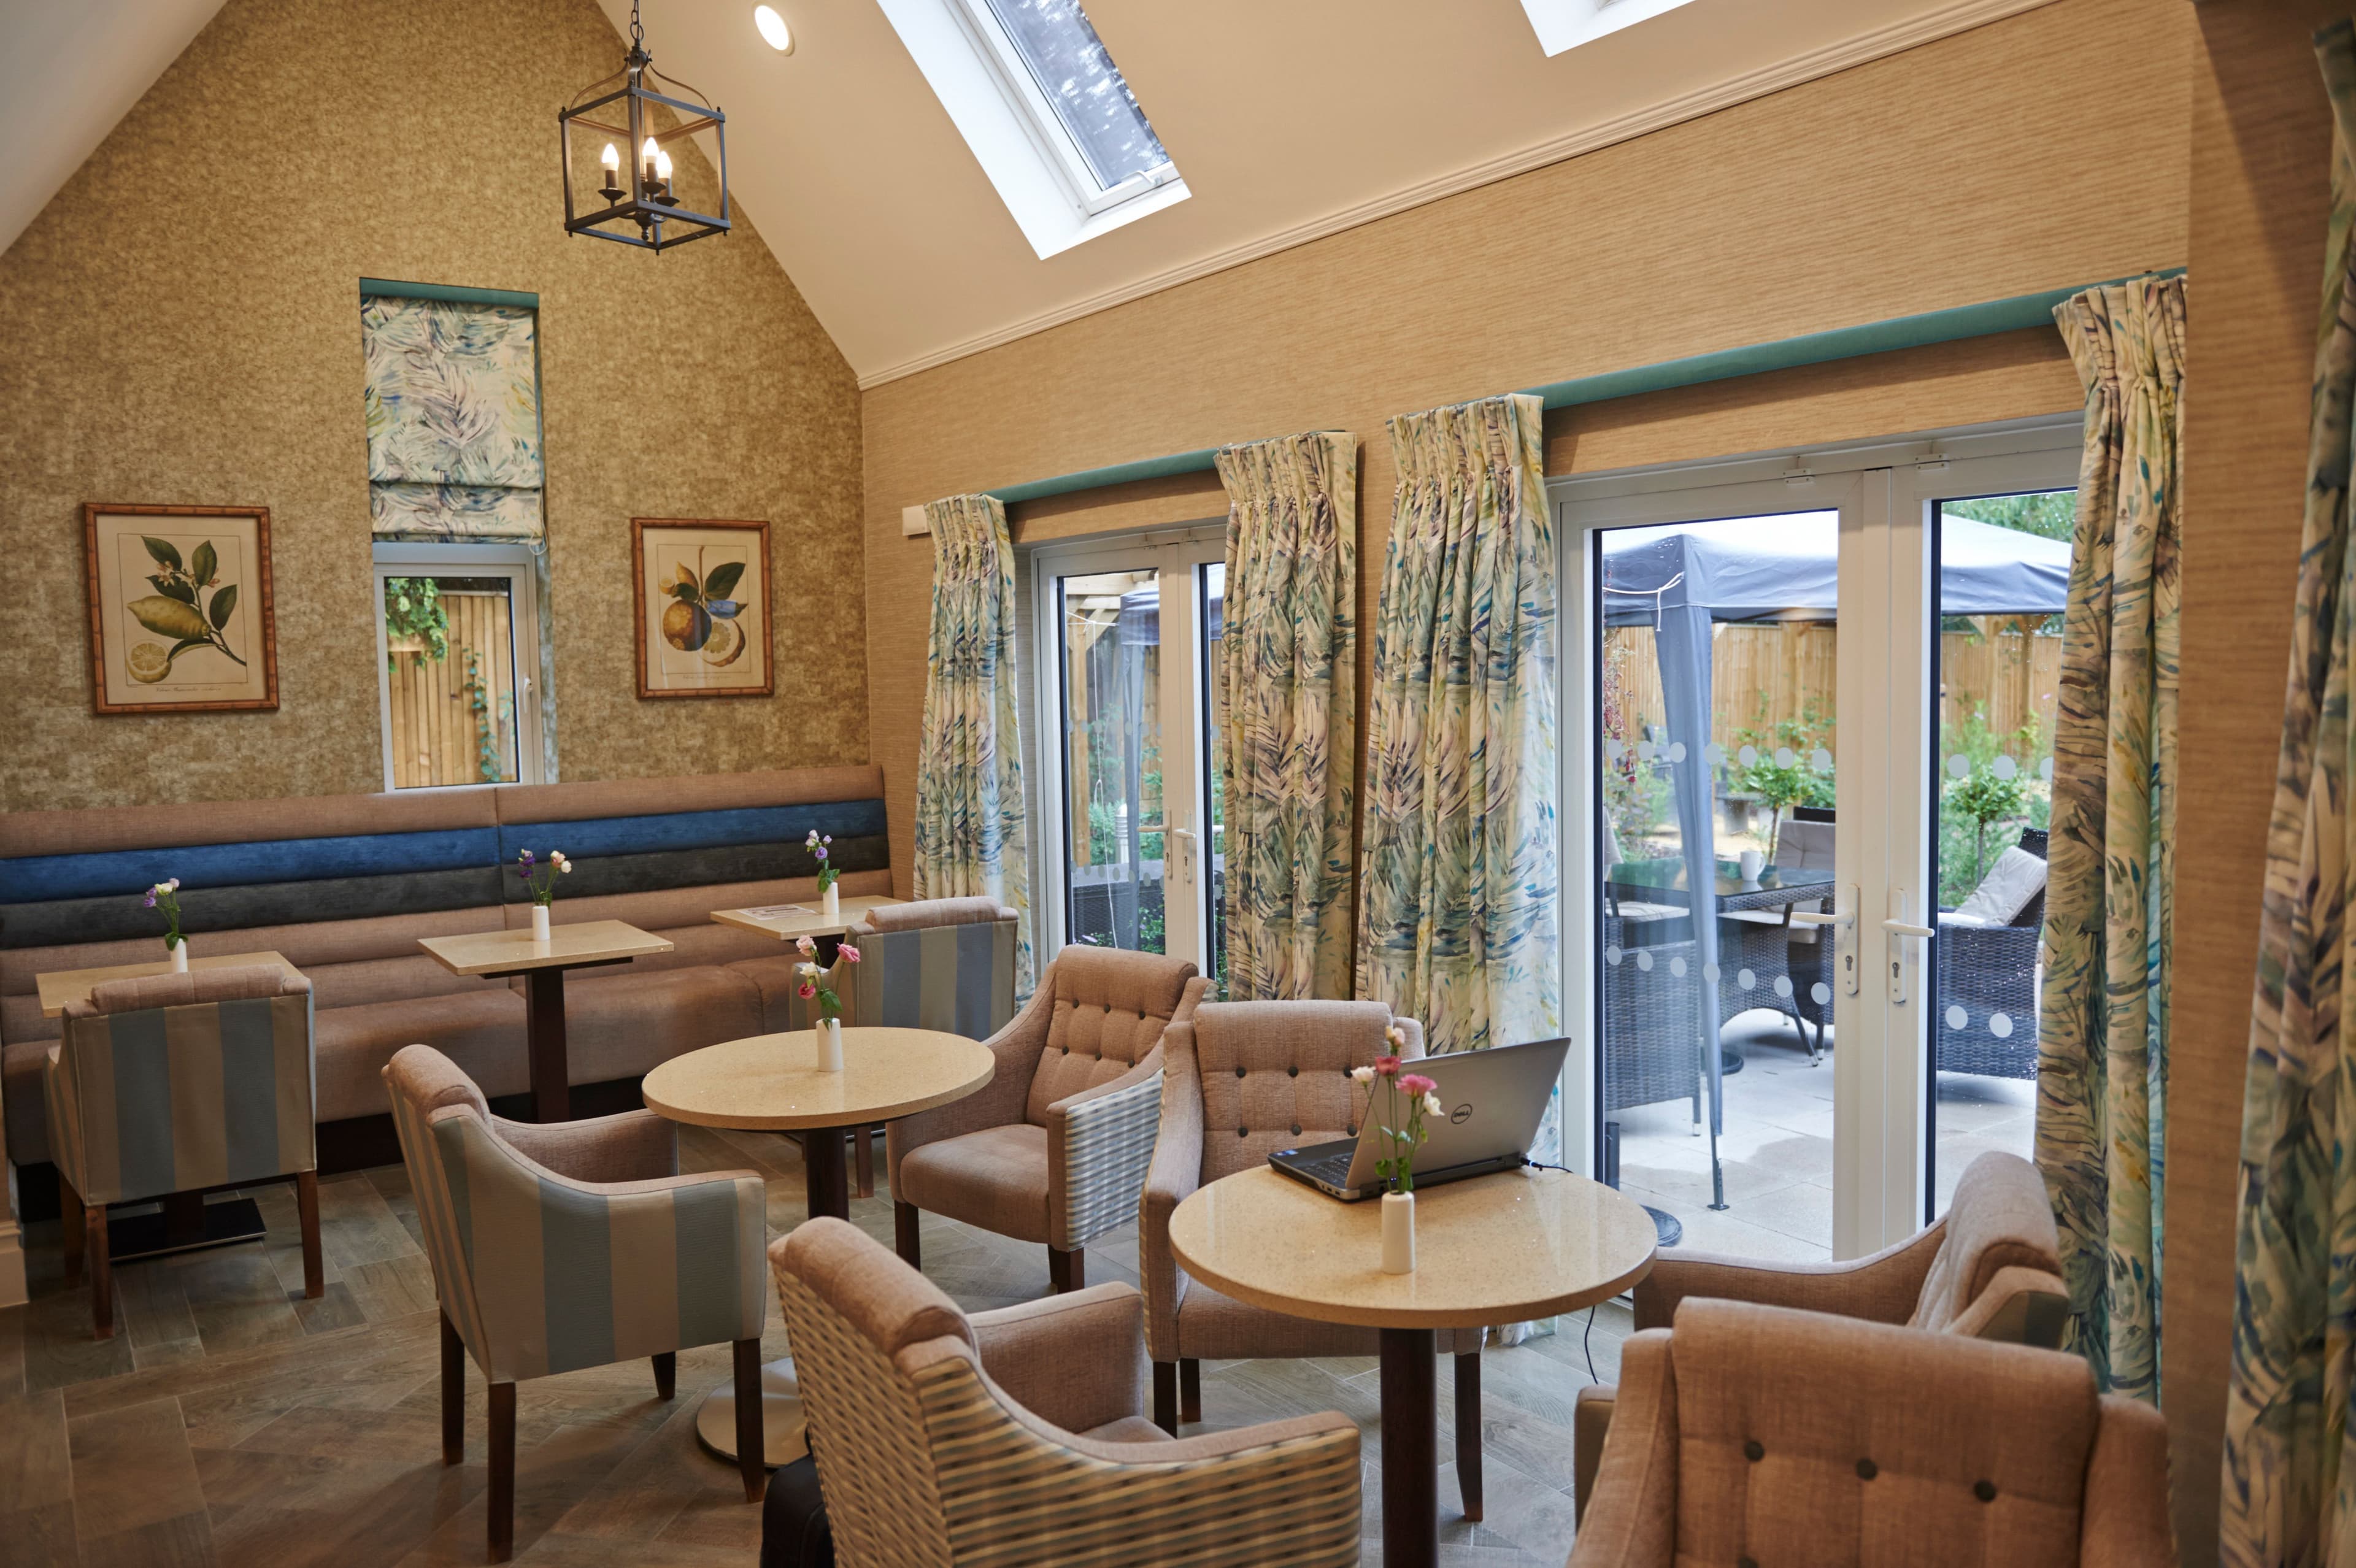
pixel 772 1083
pixel 1491 1250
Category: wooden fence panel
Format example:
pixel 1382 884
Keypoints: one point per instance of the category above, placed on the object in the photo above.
pixel 436 734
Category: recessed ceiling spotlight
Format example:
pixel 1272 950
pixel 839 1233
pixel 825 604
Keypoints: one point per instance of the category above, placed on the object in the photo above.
pixel 779 36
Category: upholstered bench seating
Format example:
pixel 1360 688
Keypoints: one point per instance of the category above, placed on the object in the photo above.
pixel 344 886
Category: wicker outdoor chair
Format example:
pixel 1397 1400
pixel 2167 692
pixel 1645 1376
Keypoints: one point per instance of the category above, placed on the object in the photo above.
pixel 1987 978
pixel 1652 1015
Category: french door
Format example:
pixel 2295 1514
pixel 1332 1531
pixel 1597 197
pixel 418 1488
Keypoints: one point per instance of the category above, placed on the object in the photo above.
pixel 1124 638
pixel 1807 711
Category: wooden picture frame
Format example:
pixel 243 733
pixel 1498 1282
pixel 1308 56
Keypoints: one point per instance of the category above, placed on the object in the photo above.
pixel 211 561
pixel 683 648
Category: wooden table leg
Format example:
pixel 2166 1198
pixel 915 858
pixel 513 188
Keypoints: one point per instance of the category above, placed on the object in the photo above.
pixel 828 1183
pixel 551 1091
pixel 1410 1449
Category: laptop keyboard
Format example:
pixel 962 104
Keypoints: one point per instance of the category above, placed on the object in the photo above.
pixel 1334 1167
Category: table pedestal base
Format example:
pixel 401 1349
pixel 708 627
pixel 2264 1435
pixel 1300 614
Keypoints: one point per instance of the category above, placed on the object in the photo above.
pixel 781 1417
pixel 1410 1449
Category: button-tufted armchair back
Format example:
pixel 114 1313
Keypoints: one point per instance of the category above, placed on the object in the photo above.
pixel 1277 1074
pixel 1750 1434
pixel 1110 1009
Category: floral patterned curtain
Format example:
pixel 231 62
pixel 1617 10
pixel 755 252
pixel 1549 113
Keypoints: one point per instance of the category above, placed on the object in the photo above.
pixel 1456 897
pixel 2101 1071
pixel 453 403
pixel 1288 669
pixel 2289 1493
pixel 970 836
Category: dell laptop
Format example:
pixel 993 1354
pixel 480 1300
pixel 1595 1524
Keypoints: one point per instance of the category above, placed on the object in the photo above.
pixel 1493 1103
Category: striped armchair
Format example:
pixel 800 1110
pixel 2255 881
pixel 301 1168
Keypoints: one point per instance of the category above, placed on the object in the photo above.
pixel 568 1245
pixel 1017 1436
pixel 179 1084
pixel 1054 1148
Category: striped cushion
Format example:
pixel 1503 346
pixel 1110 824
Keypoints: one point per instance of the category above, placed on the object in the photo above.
pixel 172 1099
pixel 958 978
pixel 540 1274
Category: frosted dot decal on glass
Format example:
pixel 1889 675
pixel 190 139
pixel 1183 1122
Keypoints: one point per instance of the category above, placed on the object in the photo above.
pixel 1677 968
pixel 1615 748
pixel 1613 955
pixel 1748 756
pixel 1644 962
pixel 1782 985
pixel 1713 754
pixel 1820 993
pixel 1644 750
pixel 2000 1025
pixel 1709 972
pixel 2004 767
pixel 1957 1018
pixel 2045 769
pixel 1822 760
pixel 1746 979
pixel 1785 757
pixel 1677 751
pixel 1959 767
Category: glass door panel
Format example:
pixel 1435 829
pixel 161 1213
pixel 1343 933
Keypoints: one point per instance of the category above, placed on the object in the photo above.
pixel 1717 741
pixel 2003 569
pixel 1109 656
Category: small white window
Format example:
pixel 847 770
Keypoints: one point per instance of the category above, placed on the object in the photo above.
pixel 1047 112
pixel 1566 24
pixel 457 664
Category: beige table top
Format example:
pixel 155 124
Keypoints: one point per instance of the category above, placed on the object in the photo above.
pixel 1495 1249
pixel 504 952
pixel 59 986
pixel 786 927
pixel 771 1082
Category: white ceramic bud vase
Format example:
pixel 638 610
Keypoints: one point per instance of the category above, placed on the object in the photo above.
pixel 1398 1232
pixel 830 1045
pixel 180 953
pixel 829 904
pixel 540 923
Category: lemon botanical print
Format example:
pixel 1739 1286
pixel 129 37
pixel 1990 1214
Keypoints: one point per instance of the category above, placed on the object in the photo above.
pixel 187 606
pixel 180 608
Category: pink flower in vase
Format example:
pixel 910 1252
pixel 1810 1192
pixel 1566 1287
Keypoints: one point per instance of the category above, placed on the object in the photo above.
pixel 849 954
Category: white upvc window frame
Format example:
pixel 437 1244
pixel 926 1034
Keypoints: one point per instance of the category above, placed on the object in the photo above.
pixel 1014 132
pixel 1564 25
pixel 1884 492
pixel 460 559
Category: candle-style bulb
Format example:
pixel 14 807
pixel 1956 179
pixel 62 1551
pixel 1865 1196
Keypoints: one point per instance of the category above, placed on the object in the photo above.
pixel 662 168
pixel 611 157
pixel 649 151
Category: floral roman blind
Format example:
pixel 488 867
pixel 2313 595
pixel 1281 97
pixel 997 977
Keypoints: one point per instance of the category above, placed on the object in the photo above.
pixel 453 400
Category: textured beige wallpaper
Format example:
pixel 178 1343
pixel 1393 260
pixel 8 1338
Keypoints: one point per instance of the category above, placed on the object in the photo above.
pixel 182 325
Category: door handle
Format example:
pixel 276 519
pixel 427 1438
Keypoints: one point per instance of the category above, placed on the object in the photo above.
pixel 1900 928
pixel 1899 925
pixel 1184 838
pixel 1841 917
pixel 1843 920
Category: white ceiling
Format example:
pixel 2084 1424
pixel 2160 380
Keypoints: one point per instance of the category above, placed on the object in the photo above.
pixel 1288 118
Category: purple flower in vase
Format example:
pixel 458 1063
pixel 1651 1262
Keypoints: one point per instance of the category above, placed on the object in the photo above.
pixel 151 898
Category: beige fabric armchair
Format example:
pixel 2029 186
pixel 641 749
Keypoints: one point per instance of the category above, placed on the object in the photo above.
pixel 1017 1436
pixel 1054 1149
pixel 1241 1080
pixel 1990 1269
pixel 1757 1434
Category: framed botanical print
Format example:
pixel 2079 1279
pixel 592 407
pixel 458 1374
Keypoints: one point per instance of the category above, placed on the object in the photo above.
pixel 180 618
pixel 700 594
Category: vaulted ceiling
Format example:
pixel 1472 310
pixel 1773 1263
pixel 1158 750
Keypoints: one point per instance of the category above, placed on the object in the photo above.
pixel 1288 118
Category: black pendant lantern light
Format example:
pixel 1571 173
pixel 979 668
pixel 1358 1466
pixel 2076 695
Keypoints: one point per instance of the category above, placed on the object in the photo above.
pixel 639 205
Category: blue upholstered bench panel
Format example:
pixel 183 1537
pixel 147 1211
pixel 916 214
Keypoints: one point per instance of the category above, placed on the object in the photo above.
pixel 607 835
pixel 40 878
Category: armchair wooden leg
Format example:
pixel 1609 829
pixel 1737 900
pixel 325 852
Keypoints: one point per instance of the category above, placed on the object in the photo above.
pixel 306 1207
pixel 503 1456
pixel 101 1280
pixel 454 1393
pixel 667 1375
pixel 1067 1271
pixel 863 1149
pixel 752 1439
pixel 1190 1389
pixel 70 1210
pixel 1165 1396
pixel 1468 1431
pixel 903 1235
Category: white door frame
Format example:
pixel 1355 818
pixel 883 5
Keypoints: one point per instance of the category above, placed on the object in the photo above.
pixel 1884 492
pixel 1175 555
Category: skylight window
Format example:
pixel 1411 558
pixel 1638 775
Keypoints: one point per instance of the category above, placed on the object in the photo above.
pixel 1046 111
pixel 1566 24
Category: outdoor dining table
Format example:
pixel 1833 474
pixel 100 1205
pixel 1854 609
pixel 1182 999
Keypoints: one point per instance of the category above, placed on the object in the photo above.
pixel 772 1083
pixel 1647 882
pixel 1496 1249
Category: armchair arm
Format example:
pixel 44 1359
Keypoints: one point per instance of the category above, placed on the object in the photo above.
pixel 1172 1173
pixel 1099 1143
pixel 2126 1522
pixel 1631 1522
pixel 1880 1288
pixel 1077 1361
pixel 635 1146
pixel 1590 1423
pixel 1017 1048
pixel 2021 1306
